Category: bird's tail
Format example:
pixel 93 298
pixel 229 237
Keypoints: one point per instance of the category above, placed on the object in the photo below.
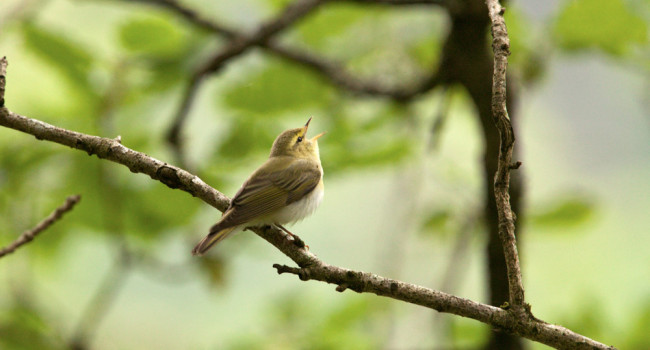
pixel 214 237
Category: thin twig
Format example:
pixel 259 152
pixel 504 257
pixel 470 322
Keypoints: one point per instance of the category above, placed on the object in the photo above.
pixel 501 48
pixel 29 235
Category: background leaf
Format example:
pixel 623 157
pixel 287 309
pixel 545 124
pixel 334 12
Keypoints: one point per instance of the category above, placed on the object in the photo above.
pixel 276 88
pixel 66 56
pixel 153 36
pixel 609 25
pixel 565 212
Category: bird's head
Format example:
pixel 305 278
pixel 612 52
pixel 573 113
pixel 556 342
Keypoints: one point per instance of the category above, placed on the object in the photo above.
pixel 294 143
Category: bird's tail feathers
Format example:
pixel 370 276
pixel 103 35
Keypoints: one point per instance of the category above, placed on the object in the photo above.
pixel 215 236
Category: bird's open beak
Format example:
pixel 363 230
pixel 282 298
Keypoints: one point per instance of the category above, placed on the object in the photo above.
pixel 319 135
pixel 304 128
pixel 307 126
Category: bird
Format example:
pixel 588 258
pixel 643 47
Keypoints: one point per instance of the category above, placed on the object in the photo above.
pixel 288 187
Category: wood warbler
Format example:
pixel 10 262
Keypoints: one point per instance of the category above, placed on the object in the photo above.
pixel 286 188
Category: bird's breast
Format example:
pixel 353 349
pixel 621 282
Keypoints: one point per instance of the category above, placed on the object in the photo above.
pixel 302 208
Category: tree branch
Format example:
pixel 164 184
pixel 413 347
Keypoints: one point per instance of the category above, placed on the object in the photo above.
pixel 501 48
pixel 310 267
pixel 29 235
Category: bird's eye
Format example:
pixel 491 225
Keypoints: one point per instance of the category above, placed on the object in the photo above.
pixel 299 138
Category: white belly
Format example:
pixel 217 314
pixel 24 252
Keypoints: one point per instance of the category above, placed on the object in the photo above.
pixel 300 209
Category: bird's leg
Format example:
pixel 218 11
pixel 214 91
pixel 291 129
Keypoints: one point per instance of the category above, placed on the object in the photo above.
pixel 296 240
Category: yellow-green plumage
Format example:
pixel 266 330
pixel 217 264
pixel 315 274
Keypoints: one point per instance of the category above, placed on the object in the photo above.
pixel 286 188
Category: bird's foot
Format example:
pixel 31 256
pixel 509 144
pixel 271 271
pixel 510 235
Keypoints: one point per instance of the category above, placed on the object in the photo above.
pixel 296 240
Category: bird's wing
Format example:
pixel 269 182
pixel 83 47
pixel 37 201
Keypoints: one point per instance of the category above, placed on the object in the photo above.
pixel 299 180
pixel 266 192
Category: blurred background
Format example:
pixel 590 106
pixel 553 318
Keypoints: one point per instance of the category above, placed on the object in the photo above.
pixel 405 171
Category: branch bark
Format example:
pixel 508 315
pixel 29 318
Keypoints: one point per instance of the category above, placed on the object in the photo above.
pixel 29 235
pixel 501 48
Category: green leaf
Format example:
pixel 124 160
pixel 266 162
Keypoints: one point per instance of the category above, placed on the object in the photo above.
pixel 341 157
pixel 638 333
pixel 518 31
pixel 565 212
pixel 467 333
pixel 608 25
pixel 247 138
pixel 426 52
pixel 279 87
pixel 215 266
pixel 152 36
pixel 329 22
pixel 587 316
pixel 527 50
pixel 22 326
pixel 363 136
pixel 346 326
pixel 156 208
pixel 437 221
pixel 66 56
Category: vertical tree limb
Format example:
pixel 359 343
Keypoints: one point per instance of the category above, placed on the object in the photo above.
pixel 501 48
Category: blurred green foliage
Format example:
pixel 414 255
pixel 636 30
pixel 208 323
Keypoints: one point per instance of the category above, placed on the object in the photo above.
pixel 331 22
pixel 153 37
pixel 279 87
pixel 612 26
pixel 23 326
pixel 133 92
pixel 467 334
pixel 61 53
pixel 68 58
pixel 437 222
pixel 564 212
pixel 638 335
pixel 352 325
